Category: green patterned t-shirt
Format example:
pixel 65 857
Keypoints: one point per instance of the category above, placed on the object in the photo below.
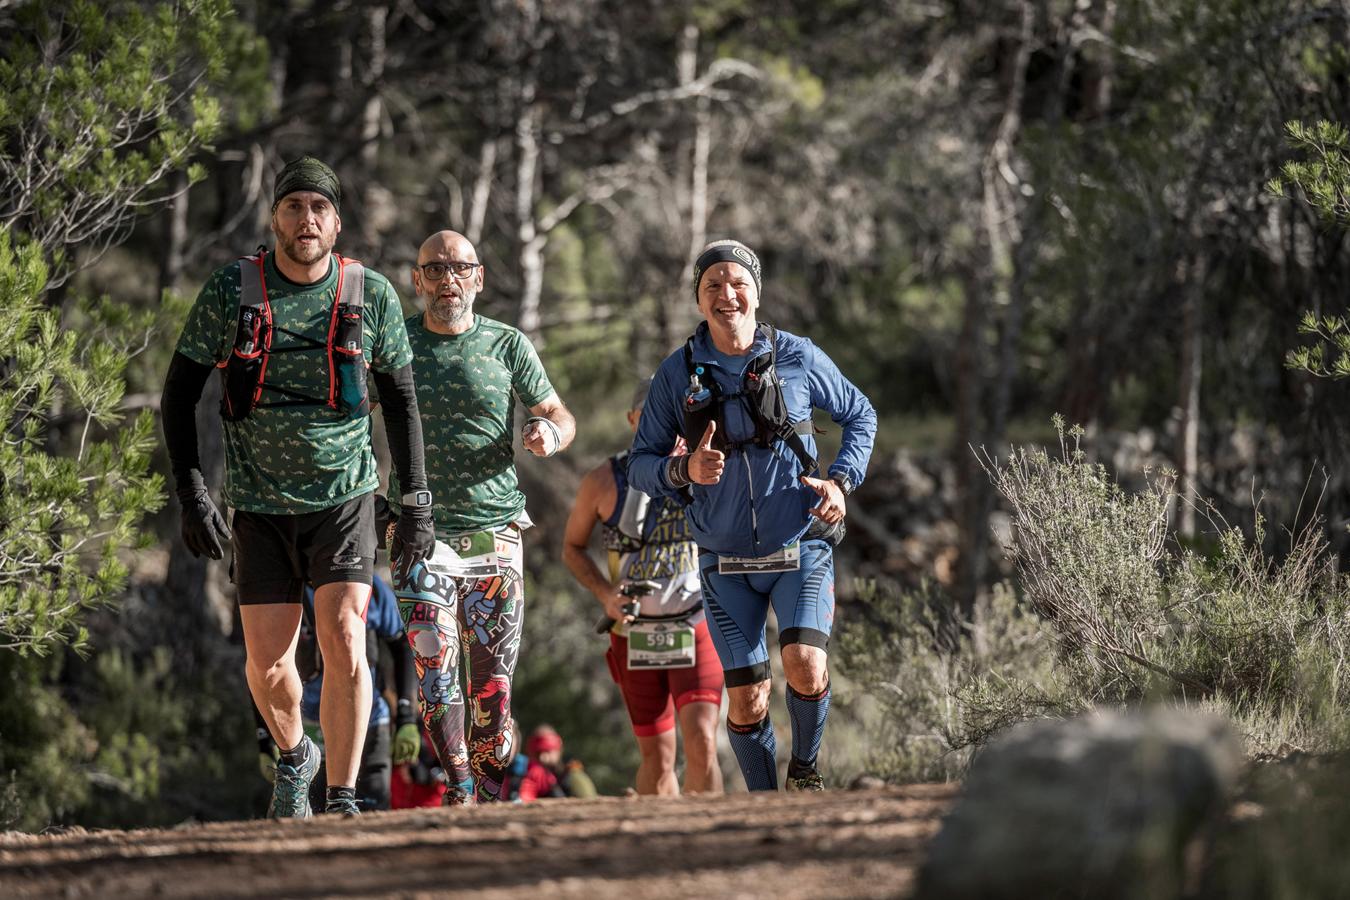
pixel 296 459
pixel 467 387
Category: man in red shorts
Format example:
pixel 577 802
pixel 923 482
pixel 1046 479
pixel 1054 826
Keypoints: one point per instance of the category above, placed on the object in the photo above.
pixel 662 657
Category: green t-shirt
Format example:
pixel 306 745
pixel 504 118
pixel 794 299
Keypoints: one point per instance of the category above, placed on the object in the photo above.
pixel 291 460
pixel 467 386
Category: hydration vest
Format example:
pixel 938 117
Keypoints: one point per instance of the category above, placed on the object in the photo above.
pixel 626 528
pixel 244 371
pixel 761 394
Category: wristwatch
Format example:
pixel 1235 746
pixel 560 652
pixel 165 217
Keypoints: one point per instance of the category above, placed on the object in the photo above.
pixel 845 483
pixel 416 498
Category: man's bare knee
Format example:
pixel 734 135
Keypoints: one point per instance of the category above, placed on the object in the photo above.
pixel 748 703
pixel 345 647
pixel 339 627
pixel 806 668
pixel 700 746
pixel 698 726
pixel 266 670
pixel 658 754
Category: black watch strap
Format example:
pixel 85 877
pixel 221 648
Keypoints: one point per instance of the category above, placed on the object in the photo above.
pixel 845 483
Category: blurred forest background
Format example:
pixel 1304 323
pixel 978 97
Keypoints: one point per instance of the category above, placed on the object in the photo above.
pixel 986 212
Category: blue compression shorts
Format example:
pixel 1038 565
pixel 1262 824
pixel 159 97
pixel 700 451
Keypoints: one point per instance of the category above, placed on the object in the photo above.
pixel 738 607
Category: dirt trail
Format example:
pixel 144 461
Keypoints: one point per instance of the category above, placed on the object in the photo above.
pixel 837 844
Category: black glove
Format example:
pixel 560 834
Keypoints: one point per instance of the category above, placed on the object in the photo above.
pixel 203 525
pixel 414 539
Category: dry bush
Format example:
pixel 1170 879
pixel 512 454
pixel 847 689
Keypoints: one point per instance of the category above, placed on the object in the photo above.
pixel 938 700
pixel 1109 613
pixel 1263 639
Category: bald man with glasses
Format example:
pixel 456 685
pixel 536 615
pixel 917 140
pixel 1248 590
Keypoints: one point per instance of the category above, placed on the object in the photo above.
pixel 470 373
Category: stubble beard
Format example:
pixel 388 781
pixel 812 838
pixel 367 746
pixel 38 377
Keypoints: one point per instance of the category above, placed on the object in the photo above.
pixel 306 254
pixel 453 310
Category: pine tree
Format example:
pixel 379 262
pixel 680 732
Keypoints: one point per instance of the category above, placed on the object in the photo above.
pixel 99 104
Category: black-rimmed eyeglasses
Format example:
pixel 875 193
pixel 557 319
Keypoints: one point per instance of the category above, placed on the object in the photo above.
pixel 435 271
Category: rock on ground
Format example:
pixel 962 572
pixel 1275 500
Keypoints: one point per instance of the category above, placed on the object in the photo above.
pixel 1102 806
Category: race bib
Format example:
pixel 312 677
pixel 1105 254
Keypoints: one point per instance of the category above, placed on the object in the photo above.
pixel 660 645
pixel 472 555
pixel 788 559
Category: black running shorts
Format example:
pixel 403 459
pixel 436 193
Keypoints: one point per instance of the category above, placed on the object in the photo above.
pixel 274 556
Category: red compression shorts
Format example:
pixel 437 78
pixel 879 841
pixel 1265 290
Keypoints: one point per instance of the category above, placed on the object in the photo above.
pixel 654 695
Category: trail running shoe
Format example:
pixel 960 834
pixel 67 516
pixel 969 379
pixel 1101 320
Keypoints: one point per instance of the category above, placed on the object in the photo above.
pixel 290 792
pixel 342 806
pixel 810 783
pixel 459 795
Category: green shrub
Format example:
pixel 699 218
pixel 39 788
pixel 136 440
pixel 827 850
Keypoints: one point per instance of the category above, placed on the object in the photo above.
pixel 1264 640
pixel 1108 613
pixel 939 699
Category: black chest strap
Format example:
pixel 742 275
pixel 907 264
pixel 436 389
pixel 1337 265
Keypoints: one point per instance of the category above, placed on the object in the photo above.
pixel 761 395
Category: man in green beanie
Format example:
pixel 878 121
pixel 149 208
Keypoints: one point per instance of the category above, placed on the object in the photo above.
pixel 293 332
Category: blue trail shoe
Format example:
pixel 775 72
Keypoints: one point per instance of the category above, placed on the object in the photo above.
pixel 290 793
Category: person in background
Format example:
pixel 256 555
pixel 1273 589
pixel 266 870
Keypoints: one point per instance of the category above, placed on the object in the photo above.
pixel 549 773
pixel 663 657
pixel 419 783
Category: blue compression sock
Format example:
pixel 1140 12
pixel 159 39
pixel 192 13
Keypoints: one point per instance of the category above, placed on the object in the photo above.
pixel 808 725
pixel 756 751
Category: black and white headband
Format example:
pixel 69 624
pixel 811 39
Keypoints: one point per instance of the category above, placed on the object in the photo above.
pixel 726 251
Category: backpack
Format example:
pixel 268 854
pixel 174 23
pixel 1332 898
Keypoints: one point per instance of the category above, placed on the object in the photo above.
pixel 626 526
pixel 244 371
pixel 761 394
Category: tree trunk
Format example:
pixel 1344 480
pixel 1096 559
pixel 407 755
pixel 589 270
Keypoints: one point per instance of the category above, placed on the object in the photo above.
pixel 674 319
pixel 376 20
pixel 1188 455
pixel 971 482
pixel 1098 65
pixel 1001 288
pixel 530 243
pixel 531 259
pixel 683 310
pixel 482 190
pixel 175 235
pixel 378 214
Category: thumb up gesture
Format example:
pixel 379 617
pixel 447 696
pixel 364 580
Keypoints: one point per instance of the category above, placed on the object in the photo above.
pixel 705 463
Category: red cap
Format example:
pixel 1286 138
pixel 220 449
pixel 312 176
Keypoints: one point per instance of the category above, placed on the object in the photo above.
pixel 542 740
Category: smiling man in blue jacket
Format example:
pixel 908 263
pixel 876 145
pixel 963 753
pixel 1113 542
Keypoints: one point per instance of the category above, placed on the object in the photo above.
pixel 741 394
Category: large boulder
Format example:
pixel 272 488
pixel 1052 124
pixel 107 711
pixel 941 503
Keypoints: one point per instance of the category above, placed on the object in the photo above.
pixel 1101 806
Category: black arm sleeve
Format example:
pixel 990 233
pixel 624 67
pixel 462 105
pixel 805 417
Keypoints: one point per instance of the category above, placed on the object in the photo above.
pixel 405 679
pixel 178 413
pixel 402 426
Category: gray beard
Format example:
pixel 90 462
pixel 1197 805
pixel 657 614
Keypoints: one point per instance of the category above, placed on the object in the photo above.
pixel 451 312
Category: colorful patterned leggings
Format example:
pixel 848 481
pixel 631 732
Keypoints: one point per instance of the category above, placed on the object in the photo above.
pixel 485 634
